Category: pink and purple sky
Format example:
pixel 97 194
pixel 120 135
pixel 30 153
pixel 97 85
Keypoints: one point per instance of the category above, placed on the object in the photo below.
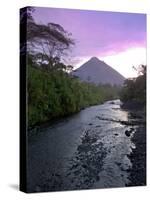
pixel 119 39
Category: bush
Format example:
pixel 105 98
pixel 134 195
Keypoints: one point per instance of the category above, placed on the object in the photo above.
pixel 57 94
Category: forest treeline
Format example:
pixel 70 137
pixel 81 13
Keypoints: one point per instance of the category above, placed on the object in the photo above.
pixel 56 94
pixel 134 89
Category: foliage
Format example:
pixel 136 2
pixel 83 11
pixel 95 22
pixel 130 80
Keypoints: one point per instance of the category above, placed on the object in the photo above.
pixel 135 89
pixel 46 43
pixel 58 94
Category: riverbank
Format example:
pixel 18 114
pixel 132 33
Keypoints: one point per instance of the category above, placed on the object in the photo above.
pixel 56 120
pixel 138 155
pixel 132 105
pixel 57 94
pixel 138 158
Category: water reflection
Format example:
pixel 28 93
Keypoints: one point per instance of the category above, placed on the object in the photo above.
pixel 82 152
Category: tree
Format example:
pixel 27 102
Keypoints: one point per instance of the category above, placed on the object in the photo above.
pixel 135 89
pixel 48 43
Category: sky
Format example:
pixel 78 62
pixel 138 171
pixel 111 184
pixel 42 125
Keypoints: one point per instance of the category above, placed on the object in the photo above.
pixel 119 39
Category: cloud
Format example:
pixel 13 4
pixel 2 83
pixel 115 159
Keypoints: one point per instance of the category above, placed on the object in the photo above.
pixel 98 33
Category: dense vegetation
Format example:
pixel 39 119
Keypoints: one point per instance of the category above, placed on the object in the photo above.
pixel 57 94
pixel 135 89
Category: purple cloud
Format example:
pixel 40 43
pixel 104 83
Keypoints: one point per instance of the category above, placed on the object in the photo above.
pixel 98 33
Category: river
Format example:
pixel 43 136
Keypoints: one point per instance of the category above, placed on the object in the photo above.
pixel 87 150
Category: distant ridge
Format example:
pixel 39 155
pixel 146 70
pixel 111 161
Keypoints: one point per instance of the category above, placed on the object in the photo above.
pixel 97 71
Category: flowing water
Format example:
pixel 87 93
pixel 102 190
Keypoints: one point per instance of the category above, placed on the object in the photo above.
pixel 88 150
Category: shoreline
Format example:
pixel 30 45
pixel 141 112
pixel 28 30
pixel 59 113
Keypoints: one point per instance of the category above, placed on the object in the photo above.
pixel 138 159
pixel 56 120
pixel 138 156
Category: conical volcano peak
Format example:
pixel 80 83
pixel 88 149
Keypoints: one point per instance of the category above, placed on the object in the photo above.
pixel 98 72
pixel 94 59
